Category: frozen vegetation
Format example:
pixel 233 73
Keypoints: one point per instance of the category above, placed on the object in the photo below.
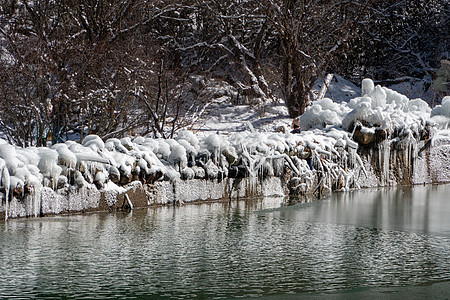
pixel 379 138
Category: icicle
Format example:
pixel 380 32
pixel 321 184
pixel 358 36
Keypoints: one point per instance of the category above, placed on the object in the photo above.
pixel 128 201
pixel 291 164
pixel 251 161
pixel 278 165
pixel 259 168
pixel 6 181
pixel 358 159
pixel 250 127
pixel 383 160
pixel 316 158
pixel 37 195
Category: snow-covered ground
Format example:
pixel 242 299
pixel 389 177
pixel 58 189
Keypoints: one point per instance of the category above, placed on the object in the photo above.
pixel 341 98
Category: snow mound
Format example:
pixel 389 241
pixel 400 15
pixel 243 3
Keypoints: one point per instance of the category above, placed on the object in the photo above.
pixel 377 107
pixel 441 114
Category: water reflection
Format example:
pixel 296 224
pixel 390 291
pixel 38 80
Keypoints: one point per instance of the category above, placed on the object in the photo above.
pixel 367 239
pixel 423 209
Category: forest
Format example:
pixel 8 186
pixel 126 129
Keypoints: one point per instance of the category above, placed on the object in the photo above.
pixel 115 67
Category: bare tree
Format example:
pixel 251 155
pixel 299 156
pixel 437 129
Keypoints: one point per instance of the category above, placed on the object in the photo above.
pixel 296 39
pixel 398 41
pixel 121 65
pixel 223 39
pixel 90 53
pixel 310 34
pixel 27 66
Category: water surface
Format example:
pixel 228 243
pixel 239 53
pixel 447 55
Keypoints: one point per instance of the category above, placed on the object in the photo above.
pixel 371 243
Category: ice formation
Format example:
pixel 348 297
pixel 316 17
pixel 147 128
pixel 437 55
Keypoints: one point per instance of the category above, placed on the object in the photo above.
pixel 441 114
pixel 377 107
pixel 382 125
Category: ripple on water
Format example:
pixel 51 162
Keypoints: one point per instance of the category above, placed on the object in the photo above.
pixel 218 250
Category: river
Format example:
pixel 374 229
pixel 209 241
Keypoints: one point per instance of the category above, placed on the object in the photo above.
pixel 372 243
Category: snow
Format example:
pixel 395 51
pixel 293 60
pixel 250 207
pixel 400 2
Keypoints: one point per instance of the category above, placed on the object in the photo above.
pixel 48 164
pixel 94 142
pixel 177 154
pixel 377 107
pixel 415 87
pixel 441 113
pixel 367 86
pixel 322 113
pixel 339 89
pixel 65 156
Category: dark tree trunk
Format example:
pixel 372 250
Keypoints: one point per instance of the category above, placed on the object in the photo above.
pixel 296 86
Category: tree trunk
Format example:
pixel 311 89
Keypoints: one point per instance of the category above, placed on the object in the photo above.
pixel 296 89
pixel 297 100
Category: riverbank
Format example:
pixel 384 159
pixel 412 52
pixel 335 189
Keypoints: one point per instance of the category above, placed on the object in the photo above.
pixel 270 175
pixel 379 139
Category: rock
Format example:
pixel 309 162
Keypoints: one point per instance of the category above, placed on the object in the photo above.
pixel 187 173
pixel 125 179
pixel 18 192
pixel 62 182
pixel 203 156
pixel 238 172
pixel 114 174
pixel 363 135
pixel 221 175
pixel 212 171
pixel 230 154
pixel 281 129
pixel 81 166
pixel 28 189
pixel 154 175
pixel 381 134
pixel 199 172
pixel 88 177
pixel 296 186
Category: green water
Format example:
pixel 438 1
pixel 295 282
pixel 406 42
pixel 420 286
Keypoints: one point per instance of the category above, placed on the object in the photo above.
pixel 389 243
